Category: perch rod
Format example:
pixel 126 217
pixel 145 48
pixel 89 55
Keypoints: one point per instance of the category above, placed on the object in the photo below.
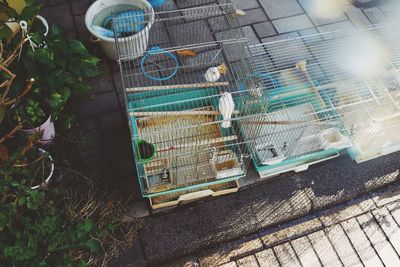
pixel 175 86
pixel 199 143
pixel 287 122
pixel 177 113
pixel 302 66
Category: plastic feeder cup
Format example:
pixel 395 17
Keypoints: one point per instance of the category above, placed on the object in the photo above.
pixel 146 150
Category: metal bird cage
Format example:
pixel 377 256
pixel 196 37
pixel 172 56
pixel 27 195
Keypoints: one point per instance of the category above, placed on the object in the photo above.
pixel 381 134
pixel 174 79
pixel 318 106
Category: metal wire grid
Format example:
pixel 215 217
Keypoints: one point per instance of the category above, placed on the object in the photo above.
pixel 136 33
pixel 311 95
pixel 173 107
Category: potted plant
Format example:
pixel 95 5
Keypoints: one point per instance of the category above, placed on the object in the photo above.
pixel 57 64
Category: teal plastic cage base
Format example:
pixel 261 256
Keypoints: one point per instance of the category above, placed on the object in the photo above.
pixel 158 102
pixel 361 157
pixel 297 164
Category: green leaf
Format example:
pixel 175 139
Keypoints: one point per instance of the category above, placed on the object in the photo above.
pixel 5 32
pixel 84 228
pixel 86 67
pixel 44 56
pixel 77 47
pixel 58 99
pixel 35 200
pixel 9 11
pixel 60 44
pixel 28 13
pixel 93 246
pixel 21 201
pixel 55 31
pixel 55 79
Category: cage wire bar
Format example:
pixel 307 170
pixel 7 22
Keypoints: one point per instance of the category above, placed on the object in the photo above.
pixel 317 107
pixel 181 142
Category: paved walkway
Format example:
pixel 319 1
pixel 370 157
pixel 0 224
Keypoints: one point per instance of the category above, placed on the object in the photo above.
pixel 364 232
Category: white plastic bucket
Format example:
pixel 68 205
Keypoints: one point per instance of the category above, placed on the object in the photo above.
pixel 48 129
pixel 133 46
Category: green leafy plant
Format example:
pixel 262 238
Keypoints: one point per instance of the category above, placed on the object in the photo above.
pixel 64 223
pixel 57 64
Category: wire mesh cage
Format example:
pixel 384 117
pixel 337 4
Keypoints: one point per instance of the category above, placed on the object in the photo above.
pixel 185 93
pixel 321 99
pixel 380 135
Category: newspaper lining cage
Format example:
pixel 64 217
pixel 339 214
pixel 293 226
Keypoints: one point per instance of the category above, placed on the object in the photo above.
pixel 317 106
pixel 182 90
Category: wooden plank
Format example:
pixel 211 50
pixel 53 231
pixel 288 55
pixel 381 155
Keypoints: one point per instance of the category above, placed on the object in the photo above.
pixel 387 197
pixel 176 86
pixel 394 209
pixel 348 212
pixel 389 227
pixel 249 261
pixel 266 258
pixel 228 264
pixel 324 249
pixel 305 252
pixel 378 239
pixel 342 245
pixel 286 255
pixel 361 243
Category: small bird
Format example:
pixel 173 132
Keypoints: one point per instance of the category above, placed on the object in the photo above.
pixel 214 73
pixel 226 107
pixel 187 53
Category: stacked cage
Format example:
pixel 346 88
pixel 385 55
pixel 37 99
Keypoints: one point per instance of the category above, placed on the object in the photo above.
pixel 319 104
pixel 184 101
pixel 380 134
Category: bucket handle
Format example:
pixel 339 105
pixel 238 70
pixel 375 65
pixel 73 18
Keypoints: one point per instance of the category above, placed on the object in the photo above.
pixel 94 39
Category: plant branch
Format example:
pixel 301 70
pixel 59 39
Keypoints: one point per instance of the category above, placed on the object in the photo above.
pixel 28 87
pixel 13 54
pixel 11 133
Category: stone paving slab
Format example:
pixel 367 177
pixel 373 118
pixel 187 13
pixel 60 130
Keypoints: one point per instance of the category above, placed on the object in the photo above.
pixel 324 249
pixel 230 252
pixel 267 258
pixel 281 9
pixel 342 246
pixel 264 29
pixel 294 23
pixel 378 239
pixel 318 21
pixel 249 261
pixel 389 227
pixel 361 243
pixel 286 255
pixel 305 252
pixel 291 232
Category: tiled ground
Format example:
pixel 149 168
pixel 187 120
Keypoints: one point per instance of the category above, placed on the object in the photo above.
pixel 364 232
pixel 205 224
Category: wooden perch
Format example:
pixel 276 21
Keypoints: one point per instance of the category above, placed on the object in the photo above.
pixel 199 143
pixel 287 122
pixel 302 66
pixel 177 113
pixel 175 86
